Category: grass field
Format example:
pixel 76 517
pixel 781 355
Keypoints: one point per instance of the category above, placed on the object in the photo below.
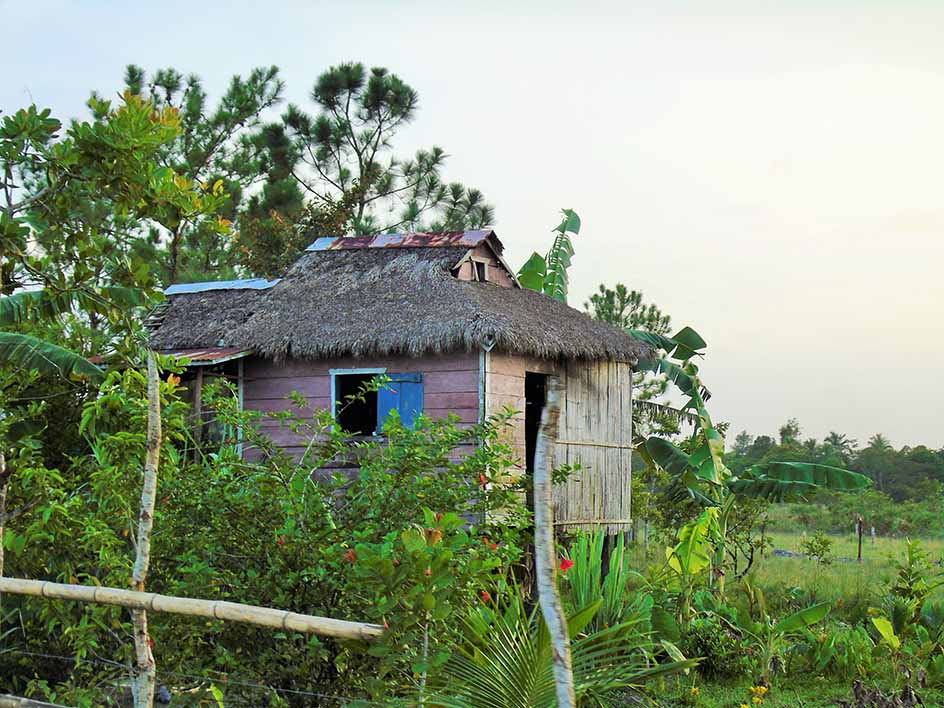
pixel 845 546
pixel 790 584
pixel 797 693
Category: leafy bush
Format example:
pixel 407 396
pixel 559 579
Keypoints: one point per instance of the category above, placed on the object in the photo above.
pixel 409 541
pixel 718 647
pixel 838 650
pixel 818 547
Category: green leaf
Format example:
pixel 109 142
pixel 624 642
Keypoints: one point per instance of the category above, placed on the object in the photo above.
pixel 803 618
pixel 413 540
pixel 533 272
pixel 667 455
pixel 570 223
pixel 777 481
pixel 23 350
pixel 656 341
pixel 885 628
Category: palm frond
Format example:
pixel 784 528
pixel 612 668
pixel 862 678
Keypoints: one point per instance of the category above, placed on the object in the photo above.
pixel 28 352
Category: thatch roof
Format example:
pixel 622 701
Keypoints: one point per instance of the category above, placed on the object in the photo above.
pixel 378 301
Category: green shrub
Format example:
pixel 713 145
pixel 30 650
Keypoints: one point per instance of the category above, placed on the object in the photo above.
pixel 718 647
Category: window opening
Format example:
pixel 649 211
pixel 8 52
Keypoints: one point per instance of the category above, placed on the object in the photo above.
pixel 357 416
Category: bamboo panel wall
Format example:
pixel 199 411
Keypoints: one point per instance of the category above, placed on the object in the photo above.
pixel 596 432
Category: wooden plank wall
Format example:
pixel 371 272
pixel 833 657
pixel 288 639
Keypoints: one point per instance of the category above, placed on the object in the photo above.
pixel 504 385
pixel 450 385
pixel 596 432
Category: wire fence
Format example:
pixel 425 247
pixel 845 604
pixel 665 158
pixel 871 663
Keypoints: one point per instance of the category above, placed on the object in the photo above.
pixel 221 681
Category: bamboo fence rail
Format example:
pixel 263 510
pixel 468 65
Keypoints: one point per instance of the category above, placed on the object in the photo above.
pixel 7 701
pixel 213 609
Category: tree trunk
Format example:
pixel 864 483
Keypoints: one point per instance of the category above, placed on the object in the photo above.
pixel 144 679
pixel 545 557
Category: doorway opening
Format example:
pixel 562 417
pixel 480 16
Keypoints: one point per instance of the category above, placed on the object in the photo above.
pixel 535 395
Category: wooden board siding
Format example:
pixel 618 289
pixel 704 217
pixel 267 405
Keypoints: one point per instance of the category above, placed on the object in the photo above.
pixel 450 385
pixel 595 431
pixel 496 271
pixel 504 386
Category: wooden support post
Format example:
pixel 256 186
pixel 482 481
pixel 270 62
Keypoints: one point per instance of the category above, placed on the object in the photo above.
pixel 211 609
pixel 198 410
pixel 545 557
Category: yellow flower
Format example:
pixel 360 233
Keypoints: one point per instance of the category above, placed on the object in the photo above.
pixel 757 700
pixel 696 691
pixel 758 690
pixel 744 705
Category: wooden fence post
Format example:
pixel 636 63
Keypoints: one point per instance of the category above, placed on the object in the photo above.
pixel 860 527
pixel 144 679
pixel 545 557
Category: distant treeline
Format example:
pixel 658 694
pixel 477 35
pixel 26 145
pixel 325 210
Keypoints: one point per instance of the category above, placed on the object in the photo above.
pixel 908 493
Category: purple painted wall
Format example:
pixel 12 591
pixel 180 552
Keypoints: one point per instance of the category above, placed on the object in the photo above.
pixel 450 385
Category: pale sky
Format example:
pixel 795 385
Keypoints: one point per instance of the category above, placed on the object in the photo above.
pixel 766 172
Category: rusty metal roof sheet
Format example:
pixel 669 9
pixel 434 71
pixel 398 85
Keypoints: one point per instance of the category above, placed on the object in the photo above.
pixel 443 239
pixel 207 355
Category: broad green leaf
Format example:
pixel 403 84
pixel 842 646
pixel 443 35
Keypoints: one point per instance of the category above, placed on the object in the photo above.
pixel 885 628
pixel 667 455
pixel 657 341
pixel 39 355
pixel 693 552
pixel 803 618
pixel 413 540
pixel 533 272
pixel 688 344
pixel 824 476
pixel 570 223
pixel 778 481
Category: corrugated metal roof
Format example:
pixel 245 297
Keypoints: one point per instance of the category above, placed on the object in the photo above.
pixel 207 355
pixel 407 240
pixel 245 284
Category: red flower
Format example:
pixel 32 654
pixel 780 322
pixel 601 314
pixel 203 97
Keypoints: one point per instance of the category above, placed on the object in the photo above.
pixel 395 562
pixel 386 626
pixel 281 540
pixel 494 546
pixel 486 597
pixel 566 564
pixel 350 556
pixel 483 480
pixel 428 572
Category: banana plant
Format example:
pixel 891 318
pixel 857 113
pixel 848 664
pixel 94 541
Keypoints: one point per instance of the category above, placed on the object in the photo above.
pixel 700 470
pixel 548 274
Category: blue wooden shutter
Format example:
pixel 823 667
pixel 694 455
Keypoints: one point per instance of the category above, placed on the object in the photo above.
pixel 404 393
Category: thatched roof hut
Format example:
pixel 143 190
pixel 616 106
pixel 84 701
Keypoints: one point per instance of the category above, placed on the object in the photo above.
pixel 370 300
pixel 445 318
